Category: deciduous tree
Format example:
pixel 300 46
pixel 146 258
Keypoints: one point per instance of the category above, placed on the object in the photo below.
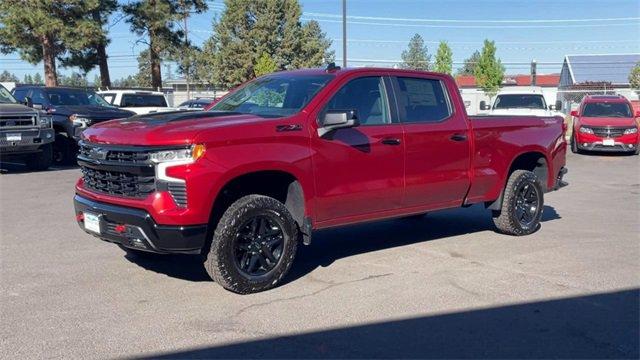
pixel 634 77
pixel 489 71
pixel 444 58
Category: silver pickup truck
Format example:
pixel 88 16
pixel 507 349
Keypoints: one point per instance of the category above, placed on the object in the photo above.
pixel 25 133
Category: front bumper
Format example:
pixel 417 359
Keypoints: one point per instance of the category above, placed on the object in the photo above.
pixel 599 146
pixel 30 140
pixel 136 229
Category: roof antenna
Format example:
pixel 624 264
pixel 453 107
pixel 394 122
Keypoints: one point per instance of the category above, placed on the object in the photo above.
pixel 332 67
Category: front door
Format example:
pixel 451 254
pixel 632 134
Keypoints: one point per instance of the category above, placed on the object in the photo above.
pixel 359 170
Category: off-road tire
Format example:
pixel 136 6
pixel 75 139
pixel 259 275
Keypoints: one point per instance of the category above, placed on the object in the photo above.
pixel 42 160
pixel 220 263
pixel 505 219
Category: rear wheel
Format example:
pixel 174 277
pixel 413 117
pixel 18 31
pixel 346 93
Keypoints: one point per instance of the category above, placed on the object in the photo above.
pixel 42 160
pixel 253 246
pixel 522 205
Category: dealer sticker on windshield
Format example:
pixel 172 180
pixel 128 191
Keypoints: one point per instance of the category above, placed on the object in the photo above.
pixel 608 142
pixel 14 137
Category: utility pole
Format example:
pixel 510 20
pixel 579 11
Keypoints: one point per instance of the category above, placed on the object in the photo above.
pixel 534 79
pixel 344 33
pixel 186 44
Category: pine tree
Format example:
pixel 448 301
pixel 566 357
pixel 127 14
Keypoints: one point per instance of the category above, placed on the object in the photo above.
pixel 45 30
pixel 37 79
pixel 634 77
pixel 417 55
pixel 156 21
pixel 444 59
pixel 489 71
pixel 27 79
pixel 8 77
pixel 143 77
pixel 247 29
pixel 468 68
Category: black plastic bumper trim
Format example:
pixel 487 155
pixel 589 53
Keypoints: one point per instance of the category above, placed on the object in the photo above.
pixel 155 238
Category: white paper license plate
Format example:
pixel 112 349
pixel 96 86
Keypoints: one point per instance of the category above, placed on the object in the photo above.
pixel 92 222
pixel 608 142
pixel 14 137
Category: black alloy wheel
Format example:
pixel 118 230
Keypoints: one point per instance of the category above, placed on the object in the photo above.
pixel 259 245
pixel 527 204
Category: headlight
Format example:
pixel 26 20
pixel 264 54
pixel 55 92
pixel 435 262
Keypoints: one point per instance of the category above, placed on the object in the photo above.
pixel 169 158
pixel 586 130
pixel 45 121
pixel 631 131
pixel 79 120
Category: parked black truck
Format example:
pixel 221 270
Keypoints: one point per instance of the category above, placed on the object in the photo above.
pixel 25 133
pixel 72 111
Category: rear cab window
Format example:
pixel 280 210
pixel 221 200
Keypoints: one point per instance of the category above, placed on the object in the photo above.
pixel 143 100
pixel 520 101
pixel 422 100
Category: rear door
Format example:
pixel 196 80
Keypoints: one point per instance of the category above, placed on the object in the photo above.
pixel 437 143
pixel 359 170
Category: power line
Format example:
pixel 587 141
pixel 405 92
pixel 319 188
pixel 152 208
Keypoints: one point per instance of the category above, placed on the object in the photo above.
pixel 466 21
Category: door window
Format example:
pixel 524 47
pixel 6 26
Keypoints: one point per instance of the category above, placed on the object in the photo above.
pixel 367 96
pixel 422 100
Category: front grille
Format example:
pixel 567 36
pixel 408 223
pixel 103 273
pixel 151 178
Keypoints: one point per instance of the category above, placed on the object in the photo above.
pixel 14 121
pixel 608 132
pixel 115 155
pixel 118 183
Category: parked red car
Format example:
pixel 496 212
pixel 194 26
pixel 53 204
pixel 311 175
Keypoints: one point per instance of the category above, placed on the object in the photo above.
pixel 605 123
pixel 292 152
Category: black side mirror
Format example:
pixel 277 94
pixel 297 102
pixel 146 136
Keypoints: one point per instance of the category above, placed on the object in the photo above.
pixel 337 119
pixel 558 105
pixel 28 102
pixel 484 106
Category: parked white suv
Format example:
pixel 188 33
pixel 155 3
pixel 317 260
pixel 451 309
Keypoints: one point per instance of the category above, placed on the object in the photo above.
pixel 140 102
pixel 520 100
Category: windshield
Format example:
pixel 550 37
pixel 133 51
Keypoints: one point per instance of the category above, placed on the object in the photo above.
pixel 603 109
pixel 517 101
pixel 6 97
pixel 274 96
pixel 75 97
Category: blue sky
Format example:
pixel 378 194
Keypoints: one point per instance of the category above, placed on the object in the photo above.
pixel 379 30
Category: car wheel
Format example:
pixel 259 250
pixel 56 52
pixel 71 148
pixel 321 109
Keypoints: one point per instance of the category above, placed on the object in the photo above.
pixel 574 146
pixel 253 246
pixel 62 152
pixel 522 205
pixel 42 160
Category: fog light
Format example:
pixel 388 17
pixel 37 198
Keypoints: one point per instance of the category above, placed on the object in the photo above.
pixel 630 146
pixel 49 136
pixel 585 144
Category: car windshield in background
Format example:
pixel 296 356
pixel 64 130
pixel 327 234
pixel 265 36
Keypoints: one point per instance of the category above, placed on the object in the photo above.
pixel 143 100
pixel 6 97
pixel 274 96
pixel 617 109
pixel 71 97
pixel 520 102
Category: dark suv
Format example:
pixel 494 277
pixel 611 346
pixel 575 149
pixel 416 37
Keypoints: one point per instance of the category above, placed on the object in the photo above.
pixel 72 110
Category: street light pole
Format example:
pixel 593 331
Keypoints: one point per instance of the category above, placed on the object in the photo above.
pixel 344 33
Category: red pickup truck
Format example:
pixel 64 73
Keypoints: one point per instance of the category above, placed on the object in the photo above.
pixel 292 152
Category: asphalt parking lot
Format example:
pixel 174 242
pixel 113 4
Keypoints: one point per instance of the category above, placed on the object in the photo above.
pixel 442 286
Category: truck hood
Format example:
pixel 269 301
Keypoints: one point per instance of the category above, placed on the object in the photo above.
pixel 166 128
pixel 93 112
pixel 524 112
pixel 149 109
pixel 15 109
pixel 607 121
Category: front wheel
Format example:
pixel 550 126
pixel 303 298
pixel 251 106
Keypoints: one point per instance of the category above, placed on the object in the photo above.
pixel 522 205
pixel 42 160
pixel 574 146
pixel 253 246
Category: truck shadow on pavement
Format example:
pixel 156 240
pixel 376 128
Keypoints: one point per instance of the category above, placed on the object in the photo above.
pixel 330 245
pixel 592 326
pixel 20 168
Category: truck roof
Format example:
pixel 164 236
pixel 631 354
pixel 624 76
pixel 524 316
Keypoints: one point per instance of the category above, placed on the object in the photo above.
pixel 605 98
pixel 520 90
pixel 345 71
pixel 140 92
